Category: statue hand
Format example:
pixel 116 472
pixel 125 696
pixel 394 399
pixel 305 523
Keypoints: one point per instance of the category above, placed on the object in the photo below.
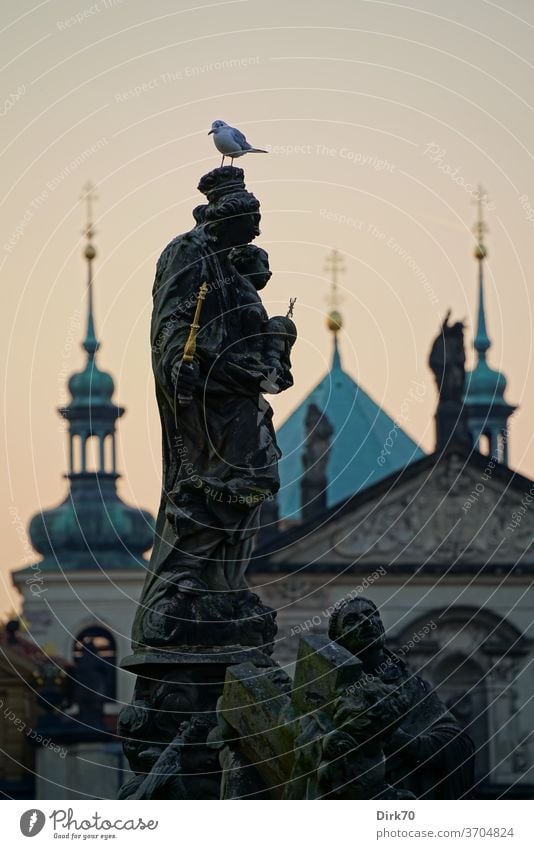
pixel 184 377
pixel 400 743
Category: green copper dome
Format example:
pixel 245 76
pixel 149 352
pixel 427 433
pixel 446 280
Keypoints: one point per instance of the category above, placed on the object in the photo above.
pixel 91 386
pixel 484 385
pixel 92 528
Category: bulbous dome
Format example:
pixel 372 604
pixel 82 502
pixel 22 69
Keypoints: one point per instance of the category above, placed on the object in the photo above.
pixel 484 385
pixel 92 527
pixel 91 386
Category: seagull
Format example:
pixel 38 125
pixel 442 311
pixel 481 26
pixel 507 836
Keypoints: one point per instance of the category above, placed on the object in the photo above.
pixel 231 142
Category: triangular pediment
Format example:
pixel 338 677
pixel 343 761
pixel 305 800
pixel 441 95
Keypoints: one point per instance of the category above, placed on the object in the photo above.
pixel 453 512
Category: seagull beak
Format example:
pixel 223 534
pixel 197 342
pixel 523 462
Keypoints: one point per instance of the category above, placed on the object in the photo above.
pixel 210 132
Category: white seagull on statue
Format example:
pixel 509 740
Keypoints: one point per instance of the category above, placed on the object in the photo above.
pixel 231 142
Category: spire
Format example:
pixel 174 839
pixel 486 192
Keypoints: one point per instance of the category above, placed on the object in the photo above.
pixel 90 343
pixel 482 341
pixel 334 320
pixel 92 528
pixel 487 410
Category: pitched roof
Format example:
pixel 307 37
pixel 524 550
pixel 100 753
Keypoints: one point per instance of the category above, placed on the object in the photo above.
pixel 367 445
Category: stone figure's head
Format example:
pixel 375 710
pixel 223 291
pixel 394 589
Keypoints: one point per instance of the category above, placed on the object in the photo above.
pixel 135 727
pixel 199 214
pixel 232 215
pixel 252 262
pixel 356 625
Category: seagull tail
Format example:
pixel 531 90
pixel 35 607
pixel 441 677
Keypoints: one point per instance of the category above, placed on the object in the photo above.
pixel 257 150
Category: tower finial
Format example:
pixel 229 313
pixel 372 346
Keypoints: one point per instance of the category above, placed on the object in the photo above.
pixel 334 266
pixel 334 320
pixel 482 341
pixel 480 227
pixel 90 343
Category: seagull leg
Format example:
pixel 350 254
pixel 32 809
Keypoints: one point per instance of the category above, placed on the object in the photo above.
pixel 222 161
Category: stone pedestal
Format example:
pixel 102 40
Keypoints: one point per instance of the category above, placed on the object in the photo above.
pixel 175 699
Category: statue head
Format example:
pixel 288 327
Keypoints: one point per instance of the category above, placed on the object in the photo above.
pixel 356 625
pixel 199 214
pixel 232 215
pixel 252 262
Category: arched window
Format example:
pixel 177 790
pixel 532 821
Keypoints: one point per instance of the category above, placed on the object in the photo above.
pixel 109 459
pixel 474 657
pixel 95 661
pixel 92 457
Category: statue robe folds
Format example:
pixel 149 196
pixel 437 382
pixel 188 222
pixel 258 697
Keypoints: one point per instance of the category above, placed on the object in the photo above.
pixel 220 454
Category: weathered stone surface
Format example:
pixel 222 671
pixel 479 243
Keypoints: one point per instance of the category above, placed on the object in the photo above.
pixel 323 671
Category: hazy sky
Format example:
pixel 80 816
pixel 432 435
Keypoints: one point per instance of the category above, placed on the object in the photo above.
pixel 381 118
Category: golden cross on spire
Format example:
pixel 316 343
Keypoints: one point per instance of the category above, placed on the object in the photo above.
pixel 480 227
pixel 89 195
pixel 334 266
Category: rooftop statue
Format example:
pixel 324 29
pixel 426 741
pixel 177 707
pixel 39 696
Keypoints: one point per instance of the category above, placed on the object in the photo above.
pixel 447 360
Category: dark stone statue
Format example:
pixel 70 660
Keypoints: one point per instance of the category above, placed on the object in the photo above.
pixel 215 353
pixel 353 723
pixel 427 752
pixel 219 450
pixel 447 361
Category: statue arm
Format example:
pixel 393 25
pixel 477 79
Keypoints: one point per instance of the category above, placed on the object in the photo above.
pixel 431 746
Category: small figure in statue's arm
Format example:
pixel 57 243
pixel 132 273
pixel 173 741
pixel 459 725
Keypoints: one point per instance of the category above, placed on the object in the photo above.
pixel 276 336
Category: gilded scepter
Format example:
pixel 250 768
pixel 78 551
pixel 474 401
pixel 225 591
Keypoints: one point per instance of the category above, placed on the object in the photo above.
pixel 190 346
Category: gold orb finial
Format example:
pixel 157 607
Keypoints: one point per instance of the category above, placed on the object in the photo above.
pixel 334 265
pixel 334 321
pixel 480 227
pixel 90 251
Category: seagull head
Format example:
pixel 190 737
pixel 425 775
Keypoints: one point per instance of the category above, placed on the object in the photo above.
pixel 217 125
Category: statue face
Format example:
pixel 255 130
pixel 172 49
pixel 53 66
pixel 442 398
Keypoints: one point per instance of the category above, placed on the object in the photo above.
pixel 360 627
pixel 259 272
pixel 241 229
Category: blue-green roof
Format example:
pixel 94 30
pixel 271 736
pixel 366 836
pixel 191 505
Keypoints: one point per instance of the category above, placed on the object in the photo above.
pixel 366 446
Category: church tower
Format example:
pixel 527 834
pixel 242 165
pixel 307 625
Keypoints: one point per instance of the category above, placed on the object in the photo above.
pixel 487 410
pixel 81 596
pixel 338 440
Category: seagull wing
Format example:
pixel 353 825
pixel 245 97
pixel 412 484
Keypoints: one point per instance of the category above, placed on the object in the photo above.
pixel 240 139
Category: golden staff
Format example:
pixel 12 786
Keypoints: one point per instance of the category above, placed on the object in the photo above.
pixel 190 346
